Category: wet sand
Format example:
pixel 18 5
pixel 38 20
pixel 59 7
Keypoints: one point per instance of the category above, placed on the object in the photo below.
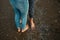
pixel 46 18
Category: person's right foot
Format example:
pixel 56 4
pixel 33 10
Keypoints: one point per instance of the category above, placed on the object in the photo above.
pixel 25 29
pixel 32 24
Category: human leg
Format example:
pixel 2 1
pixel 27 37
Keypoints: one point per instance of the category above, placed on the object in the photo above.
pixel 24 14
pixel 31 13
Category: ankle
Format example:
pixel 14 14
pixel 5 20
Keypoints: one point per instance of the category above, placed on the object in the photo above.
pixel 31 20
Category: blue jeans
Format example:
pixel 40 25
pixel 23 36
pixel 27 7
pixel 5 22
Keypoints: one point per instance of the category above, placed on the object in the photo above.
pixel 21 8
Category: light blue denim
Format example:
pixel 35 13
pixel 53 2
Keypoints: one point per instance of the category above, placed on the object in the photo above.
pixel 21 8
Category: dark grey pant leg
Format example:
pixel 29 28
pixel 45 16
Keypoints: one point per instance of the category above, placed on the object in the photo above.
pixel 31 8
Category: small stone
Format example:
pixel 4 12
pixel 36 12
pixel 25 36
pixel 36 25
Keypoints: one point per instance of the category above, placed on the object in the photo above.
pixel 7 35
pixel 56 21
pixel 15 38
pixel 59 11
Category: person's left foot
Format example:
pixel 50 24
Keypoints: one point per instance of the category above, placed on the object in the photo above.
pixel 25 29
pixel 19 30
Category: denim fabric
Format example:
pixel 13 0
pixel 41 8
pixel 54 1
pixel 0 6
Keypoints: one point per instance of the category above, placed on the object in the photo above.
pixel 21 8
pixel 31 8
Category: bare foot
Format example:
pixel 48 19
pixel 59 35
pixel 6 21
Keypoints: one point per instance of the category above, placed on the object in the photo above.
pixel 18 29
pixel 25 29
pixel 32 24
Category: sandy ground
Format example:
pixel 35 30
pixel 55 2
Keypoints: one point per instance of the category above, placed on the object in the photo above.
pixel 46 17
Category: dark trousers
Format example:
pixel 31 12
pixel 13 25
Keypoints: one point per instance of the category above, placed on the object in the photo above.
pixel 31 8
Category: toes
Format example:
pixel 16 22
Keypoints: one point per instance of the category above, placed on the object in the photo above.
pixel 18 29
pixel 32 26
pixel 25 29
